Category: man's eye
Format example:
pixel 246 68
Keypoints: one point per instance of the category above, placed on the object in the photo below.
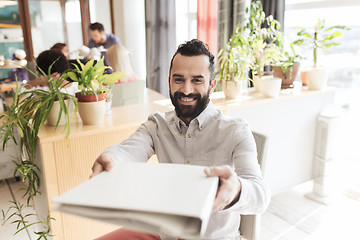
pixel 178 80
pixel 196 80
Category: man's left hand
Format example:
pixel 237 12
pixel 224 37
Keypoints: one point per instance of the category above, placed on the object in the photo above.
pixel 229 187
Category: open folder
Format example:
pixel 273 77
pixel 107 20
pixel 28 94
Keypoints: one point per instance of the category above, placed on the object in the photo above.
pixel 169 199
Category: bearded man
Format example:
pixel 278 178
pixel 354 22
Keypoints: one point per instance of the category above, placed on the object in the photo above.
pixel 196 133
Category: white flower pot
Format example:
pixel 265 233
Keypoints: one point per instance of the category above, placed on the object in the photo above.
pixel 232 89
pixel 256 83
pixel 108 107
pixel 317 78
pixel 92 113
pixel 270 87
pixel 54 113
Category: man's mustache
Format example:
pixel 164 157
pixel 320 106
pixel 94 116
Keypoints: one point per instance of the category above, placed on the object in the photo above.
pixel 191 95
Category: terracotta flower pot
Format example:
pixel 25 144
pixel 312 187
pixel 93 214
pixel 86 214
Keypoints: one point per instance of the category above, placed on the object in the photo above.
pixel 303 78
pixel 89 98
pixel 289 77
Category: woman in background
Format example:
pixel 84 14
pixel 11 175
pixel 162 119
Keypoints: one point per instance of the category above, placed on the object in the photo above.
pixel 59 65
pixel 62 48
pixel 119 60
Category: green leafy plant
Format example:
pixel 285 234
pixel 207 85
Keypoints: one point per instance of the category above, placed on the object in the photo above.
pixel 22 122
pixel 319 38
pixel 234 59
pixel 264 37
pixel 15 212
pixel 287 59
pixel 91 77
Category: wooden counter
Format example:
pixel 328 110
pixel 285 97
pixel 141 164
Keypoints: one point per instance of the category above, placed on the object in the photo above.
pixel 288 121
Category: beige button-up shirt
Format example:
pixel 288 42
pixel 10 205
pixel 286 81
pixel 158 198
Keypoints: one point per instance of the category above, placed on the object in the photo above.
pixel 211 139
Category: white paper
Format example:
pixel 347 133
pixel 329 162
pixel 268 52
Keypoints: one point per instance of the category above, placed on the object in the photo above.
pixel 170 199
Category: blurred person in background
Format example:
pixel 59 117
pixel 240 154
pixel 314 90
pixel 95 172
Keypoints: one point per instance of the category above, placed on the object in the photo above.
pixel 119 60
pixel 62 48
pixel 102 41
pixel 43 62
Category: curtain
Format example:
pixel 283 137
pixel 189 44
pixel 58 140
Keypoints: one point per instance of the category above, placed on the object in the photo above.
pixel 275 8
pixel 207 11
pixel 160 43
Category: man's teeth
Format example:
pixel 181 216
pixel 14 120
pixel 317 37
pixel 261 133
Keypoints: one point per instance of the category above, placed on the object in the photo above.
pixel 186 99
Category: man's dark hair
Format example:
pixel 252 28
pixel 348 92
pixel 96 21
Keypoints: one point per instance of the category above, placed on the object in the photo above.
pixel 58 46
pixel 46 58
pixel 97 26
pixel 195 47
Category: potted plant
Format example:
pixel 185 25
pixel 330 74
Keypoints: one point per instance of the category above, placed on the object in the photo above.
pixel 288 67
pixel 55 98
pixel 234 65
pixel 21 123
pixel 92 83
pixel 319 38
pixel 264 40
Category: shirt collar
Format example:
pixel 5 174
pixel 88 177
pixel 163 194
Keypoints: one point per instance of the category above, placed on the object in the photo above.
pixel 202 120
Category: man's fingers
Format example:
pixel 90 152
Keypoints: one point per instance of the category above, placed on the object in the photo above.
pixel 221 171
pixel 96 169
pixel 104 162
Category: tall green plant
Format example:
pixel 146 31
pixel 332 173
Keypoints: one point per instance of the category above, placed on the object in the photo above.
pixel 24 118
pixel 264 37
pixel 234 59
pixel 319 38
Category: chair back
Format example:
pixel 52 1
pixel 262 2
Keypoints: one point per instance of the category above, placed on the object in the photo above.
pixel 250 224
pixel 128 93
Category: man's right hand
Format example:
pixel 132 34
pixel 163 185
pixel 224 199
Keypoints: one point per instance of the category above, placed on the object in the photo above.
pixel 103 163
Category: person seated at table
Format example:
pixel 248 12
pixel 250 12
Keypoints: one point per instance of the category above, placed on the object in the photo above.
pixel 43 62
pixel 62 47
pixel 119 60
pixel 19 74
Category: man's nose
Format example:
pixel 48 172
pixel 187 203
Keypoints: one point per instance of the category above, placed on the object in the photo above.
pixel 187 88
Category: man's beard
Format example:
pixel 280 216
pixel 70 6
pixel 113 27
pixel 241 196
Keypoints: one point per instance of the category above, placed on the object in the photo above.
pixel 189 111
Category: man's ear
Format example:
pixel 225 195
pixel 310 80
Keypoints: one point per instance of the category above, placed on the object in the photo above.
pixel 212 85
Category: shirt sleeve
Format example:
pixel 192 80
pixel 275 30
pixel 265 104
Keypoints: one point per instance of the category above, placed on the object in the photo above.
pixel 91 43
pixel 139 147
pixel 255 193
pixel 116 40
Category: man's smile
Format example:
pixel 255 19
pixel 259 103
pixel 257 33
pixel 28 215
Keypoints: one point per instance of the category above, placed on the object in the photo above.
pixel 187 100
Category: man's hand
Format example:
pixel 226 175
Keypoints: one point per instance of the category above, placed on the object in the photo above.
pixel 229 187
pixel 103 163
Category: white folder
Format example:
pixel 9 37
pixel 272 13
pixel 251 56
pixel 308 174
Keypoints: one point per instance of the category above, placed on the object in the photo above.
pixel 168 199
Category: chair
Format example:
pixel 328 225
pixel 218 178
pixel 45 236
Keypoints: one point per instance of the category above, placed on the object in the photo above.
pixel 128 93
pixel 250 224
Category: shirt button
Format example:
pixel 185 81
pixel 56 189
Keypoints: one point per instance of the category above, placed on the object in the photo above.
pixel 189 135
pixel 201 127
pixel 187 162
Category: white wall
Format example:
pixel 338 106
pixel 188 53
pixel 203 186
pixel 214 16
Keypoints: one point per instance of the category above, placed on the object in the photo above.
pixel 129 25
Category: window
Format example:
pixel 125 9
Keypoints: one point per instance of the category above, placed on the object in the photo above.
pixel 73 26
pixel 342 61
pixel 186 22
pixel 46 24
pixel 11 37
